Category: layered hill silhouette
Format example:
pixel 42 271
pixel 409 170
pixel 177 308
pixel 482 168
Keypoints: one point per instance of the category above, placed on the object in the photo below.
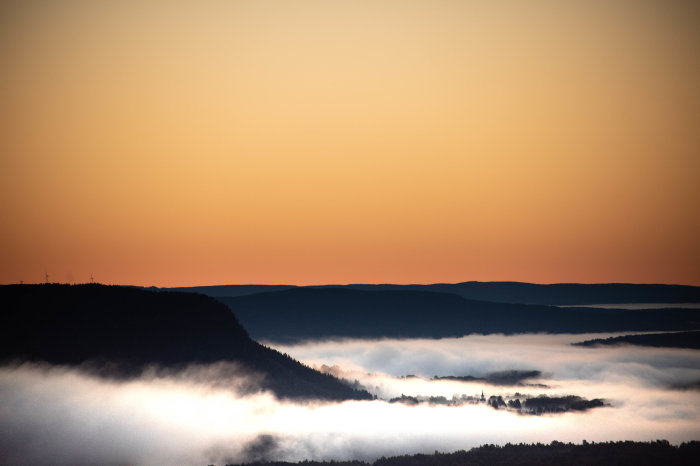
pixel 123 330
pixel 558 293
pixel 505 292
pixel 324 312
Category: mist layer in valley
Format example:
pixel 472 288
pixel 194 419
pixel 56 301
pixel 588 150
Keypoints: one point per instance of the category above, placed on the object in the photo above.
pixel 207 414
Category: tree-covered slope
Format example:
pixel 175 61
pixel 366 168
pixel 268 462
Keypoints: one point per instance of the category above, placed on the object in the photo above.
pixel 556 453
pixel 123 330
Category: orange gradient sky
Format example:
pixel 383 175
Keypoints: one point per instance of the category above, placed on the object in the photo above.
pixel 190 143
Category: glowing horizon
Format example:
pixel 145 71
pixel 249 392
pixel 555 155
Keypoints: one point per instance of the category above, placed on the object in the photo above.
pixel 175 144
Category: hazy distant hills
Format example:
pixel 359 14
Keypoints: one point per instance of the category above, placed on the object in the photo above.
pixel 324 312
pixel 122 330
pixel 506 292
pixel 556 294
pixel 290 313
pixel 218 291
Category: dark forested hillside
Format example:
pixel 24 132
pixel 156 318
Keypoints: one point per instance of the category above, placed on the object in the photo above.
pixel 556 453
pixel 125 329
pixel 301 313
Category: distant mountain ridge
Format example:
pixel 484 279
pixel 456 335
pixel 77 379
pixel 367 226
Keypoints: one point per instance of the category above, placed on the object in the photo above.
pixel 126 329
pixel 507 292
pixel 324 312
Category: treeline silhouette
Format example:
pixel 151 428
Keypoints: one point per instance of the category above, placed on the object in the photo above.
pixel 689 340
pixel 624 453
pixel 314 313
pixel 529 405
pixel 120 331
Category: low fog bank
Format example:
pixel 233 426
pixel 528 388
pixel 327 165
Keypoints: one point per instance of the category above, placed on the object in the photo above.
pixel 57 415
pixel 383 365
pixel 214 415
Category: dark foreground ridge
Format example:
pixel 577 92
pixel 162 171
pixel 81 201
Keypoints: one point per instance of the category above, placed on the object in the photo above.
pixel 689 340
pixel 316 313
pixel 120 331
pixel 556 453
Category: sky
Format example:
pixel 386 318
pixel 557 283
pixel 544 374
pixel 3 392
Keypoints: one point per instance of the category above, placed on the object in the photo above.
pixel 200 143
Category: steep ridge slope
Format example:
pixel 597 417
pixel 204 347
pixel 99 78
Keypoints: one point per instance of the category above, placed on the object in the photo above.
pixel 123 330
